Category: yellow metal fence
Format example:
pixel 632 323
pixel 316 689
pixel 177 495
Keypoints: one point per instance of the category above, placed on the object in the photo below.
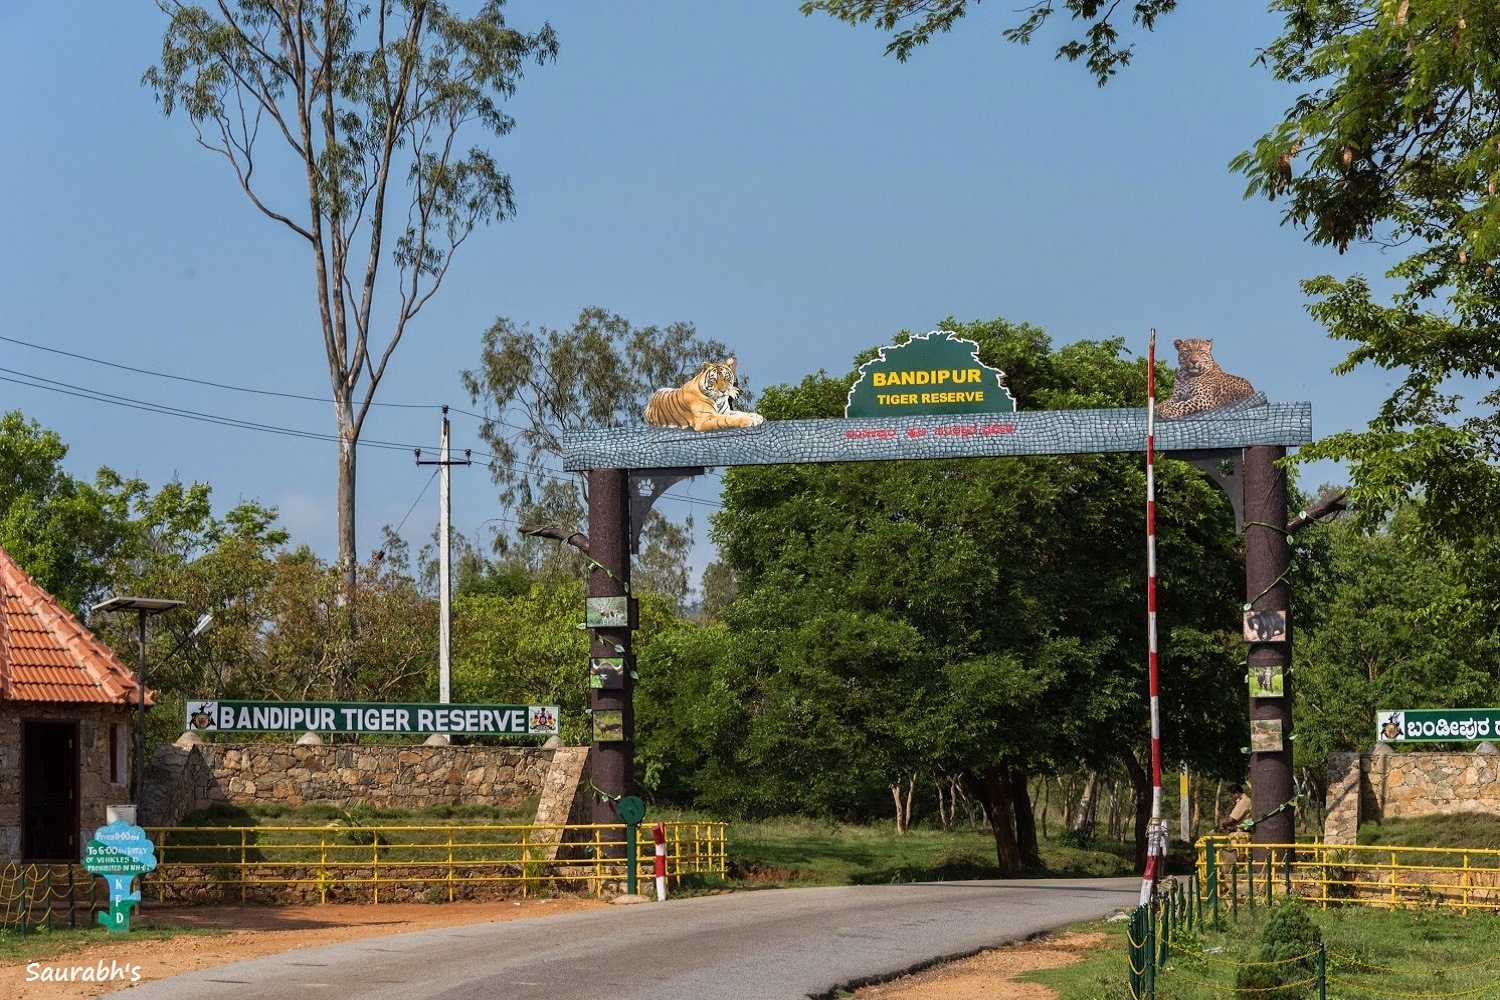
pixel 340 862
pixel 1240 874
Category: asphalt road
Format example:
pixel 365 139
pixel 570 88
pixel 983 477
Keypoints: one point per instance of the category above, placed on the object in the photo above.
pixel 748 946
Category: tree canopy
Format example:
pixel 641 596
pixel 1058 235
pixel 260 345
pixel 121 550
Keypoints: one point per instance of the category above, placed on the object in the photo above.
pixel 982 615
pixel 537 384
pixel 1394 142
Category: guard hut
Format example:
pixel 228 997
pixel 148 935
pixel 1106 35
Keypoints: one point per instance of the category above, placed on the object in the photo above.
pixel 65 714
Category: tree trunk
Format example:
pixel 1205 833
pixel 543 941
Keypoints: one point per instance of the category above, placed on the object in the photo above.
pixel 1088 804
pixel 996 799
pixel 903 808
pixel 1141 782
pixel 346 669
pixel 1025 819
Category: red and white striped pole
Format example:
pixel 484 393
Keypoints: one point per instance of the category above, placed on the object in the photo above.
pixel 1156 841
pixel 659 834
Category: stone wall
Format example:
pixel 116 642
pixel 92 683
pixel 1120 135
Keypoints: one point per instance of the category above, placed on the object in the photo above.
pixel 96 786
pixel 1386 785
pixel 191 775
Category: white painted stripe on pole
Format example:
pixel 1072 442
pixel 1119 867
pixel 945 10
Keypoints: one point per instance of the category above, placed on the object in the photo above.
pixel 659 834
pixel 1155 717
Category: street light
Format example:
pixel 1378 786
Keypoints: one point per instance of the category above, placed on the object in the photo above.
pixel 143 607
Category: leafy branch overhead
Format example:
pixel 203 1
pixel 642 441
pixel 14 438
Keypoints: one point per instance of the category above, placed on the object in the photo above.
pixel 1395 142
pixel 913 23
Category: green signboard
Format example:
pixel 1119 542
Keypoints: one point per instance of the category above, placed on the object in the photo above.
pixel 931 374
pixel 1432 725
pixel 361 717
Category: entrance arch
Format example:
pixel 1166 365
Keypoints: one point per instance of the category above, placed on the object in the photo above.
pixel 627 468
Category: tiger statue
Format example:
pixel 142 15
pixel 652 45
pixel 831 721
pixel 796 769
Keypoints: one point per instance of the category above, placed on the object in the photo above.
pixel 1201 384
pixel 705 403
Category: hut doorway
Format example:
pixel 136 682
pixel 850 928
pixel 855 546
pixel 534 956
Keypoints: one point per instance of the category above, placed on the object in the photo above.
pixel 49 791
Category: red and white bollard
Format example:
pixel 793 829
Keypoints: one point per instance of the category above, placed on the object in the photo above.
pixel 659 834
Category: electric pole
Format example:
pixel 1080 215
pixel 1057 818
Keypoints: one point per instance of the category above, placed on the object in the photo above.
pixel 445 565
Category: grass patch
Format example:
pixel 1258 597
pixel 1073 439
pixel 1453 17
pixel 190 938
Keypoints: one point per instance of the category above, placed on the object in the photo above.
pixel 1458 830
pixel 786 852
pixel 279 814
pixel 1363 946
pixel 41 945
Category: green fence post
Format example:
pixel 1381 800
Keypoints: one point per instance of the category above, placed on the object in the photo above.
pixel 1286 856
pixel 1132 953
pixel 1322 971
pixel 1168 926
pixel 1211 870
pixel 1150 951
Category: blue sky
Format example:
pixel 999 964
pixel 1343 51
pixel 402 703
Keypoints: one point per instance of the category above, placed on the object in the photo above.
pixel 774 179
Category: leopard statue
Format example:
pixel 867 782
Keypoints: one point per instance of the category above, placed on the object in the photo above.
pixel 1201 384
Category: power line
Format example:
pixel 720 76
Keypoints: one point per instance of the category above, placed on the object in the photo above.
pixel 239 388
pixel 248 389
pixel 198 381
pixel 82 392
pixel 425 487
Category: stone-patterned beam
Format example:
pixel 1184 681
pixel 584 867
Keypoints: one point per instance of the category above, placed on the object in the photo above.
pixel 1042 432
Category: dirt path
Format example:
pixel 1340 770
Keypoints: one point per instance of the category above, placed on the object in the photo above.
pixel 988 975
pixel 252 931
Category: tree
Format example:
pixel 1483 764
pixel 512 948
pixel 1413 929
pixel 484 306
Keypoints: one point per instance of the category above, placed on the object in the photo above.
pixel 990 640
pixel 60 530
pixel 915 22
pixel 1399 622
pixel 373 103
pixel 537 385
pixel 1394 143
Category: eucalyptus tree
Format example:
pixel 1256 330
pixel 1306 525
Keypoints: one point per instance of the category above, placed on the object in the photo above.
pixel 536 385
pixel 348 124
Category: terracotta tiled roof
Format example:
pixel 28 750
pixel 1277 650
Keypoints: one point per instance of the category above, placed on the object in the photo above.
pixel 46 655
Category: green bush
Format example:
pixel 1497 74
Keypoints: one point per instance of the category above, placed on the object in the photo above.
pixel 1080 837
pixel 1289 944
